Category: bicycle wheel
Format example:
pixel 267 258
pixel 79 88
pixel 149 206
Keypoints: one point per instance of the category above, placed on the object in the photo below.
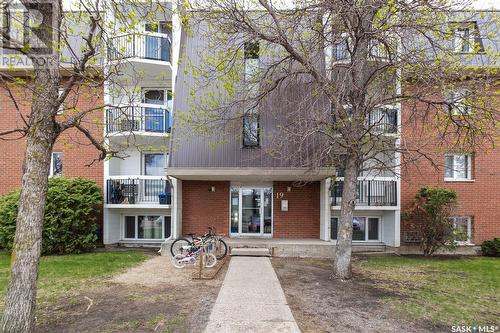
pixel 210 260
pixel 177 261
pixel 220 250
pixel 179 246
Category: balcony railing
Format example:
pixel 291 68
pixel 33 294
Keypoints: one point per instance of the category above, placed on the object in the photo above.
pixel 138 119
pixel 369 193
pixel 140 45
pixel 384 120
pixel 140 190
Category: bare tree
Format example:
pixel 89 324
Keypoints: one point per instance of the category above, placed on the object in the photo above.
pixel 341 66
pixel 67 50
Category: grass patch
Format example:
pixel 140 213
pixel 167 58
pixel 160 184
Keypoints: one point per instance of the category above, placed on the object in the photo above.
pixel 62 274
pixel 448 291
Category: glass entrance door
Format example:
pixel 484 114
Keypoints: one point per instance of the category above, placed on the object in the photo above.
pixel 251 217
pixel 251 211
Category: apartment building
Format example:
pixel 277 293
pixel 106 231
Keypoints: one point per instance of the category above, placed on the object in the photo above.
pixel 246 193
pixel 241 189
pixel 138 200
pixel 139 64
pixel 168 183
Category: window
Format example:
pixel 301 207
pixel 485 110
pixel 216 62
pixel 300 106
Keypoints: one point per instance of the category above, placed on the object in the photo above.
pixel 341 51
pixel 363 228
pixel 154 96
pixel 466 38
pixel 161 27
pixel 251 116
pixel 462 226
pixel 457 167
pixel 157 119
pixel 158 47
pixel 146 227
pixel 458 102
pixel 154 164
pixel 61 106
pixel 56 166
pixel 251 130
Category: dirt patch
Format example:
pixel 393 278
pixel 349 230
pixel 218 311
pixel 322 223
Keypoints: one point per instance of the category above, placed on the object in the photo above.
pixel 322 304
pixel 152 297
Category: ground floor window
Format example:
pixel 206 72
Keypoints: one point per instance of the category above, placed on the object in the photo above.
pixel 462 227
pixel 146 227
pixel 364 228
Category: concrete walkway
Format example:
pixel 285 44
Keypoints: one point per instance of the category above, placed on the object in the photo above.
pixel 251 300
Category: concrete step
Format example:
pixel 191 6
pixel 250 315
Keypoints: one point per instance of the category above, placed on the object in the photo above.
pixel 250 252
pixel 358 248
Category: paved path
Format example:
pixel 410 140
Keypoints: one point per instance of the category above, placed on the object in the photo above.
pixel 251 300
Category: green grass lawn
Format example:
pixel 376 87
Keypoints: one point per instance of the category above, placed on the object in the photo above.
pixel 62 274
pixel 449 291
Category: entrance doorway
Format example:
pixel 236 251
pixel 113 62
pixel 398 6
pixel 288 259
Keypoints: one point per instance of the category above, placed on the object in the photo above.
pixel 251 211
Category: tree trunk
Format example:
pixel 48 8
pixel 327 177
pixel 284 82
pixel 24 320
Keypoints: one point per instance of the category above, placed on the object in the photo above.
pixel 19 313
pixel 342 264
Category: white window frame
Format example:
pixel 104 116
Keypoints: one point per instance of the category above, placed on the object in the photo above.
pixel 165 93
pixel 366 240
pixel 60 110
pixel 51 172
pixel 468 171
pixel 136 217
pixel 460 40
pixel 143 161
pixel 469 228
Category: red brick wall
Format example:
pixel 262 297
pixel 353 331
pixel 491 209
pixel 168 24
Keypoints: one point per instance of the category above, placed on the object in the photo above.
pixel 303 217
pixel 76 148
pixel 202 208
pixel 478 199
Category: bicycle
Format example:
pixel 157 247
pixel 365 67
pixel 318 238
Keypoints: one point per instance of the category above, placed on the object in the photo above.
pixel 215 244
pixel 191 256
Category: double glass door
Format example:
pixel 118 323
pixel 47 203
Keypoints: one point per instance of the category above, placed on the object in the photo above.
pixel 251 211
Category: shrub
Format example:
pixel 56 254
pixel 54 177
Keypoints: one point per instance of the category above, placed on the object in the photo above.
pixel 432 208
pixel 491 248
pixel 70 216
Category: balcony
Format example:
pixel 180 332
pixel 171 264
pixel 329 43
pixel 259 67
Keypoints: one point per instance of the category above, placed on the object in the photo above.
pixel 137 190
pixel 384 120
pixel 149 119
pixel 152 46
pixel 369 193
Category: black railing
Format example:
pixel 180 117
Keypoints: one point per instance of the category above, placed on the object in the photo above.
pixel 369 193
pixel 138 45
pixel 137 118
pixel 137 190
pixel 384 120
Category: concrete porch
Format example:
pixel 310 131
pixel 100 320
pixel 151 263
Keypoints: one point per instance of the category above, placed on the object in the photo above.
pixel 308 248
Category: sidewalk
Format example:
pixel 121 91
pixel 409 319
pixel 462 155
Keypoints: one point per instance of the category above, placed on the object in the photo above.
pixel 251 300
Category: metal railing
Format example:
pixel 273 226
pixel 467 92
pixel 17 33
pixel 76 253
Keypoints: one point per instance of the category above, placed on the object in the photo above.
pixel 138 190
pixel 137 118
pixel 384 120
pixel 140 45
pixel 369 193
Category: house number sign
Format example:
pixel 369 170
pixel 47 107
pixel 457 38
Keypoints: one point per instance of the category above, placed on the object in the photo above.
pixel 279 195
